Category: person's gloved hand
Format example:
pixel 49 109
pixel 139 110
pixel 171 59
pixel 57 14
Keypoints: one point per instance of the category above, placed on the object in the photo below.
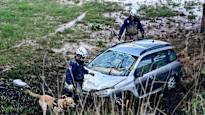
pixel 78 91
pixel 68 86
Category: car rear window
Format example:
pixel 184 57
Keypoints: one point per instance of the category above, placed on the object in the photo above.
pixel 155 61
pixel 172 55
pixel 160 59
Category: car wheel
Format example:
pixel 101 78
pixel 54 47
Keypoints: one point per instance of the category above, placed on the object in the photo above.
pixel 171 83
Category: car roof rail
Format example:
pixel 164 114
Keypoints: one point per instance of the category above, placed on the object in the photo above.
pixel 139 39
pixel 118 44
pixel 155 47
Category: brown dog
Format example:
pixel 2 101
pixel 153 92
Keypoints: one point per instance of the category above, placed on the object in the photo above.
pixel 56 106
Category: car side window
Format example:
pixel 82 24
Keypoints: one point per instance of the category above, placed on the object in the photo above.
pixel 160 59
pixel 172 55
pixel 144 66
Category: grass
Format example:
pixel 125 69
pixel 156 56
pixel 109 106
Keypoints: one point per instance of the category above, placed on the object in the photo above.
pixel 203 71
pixel 100 44
pixel 92 17
pixel 190 5
pixel 35 19
pixel 198 105
pixel 157 11
pixel 173 3
pixel 74 35
pixel 16 55
pixel 96 27
pixel 192 17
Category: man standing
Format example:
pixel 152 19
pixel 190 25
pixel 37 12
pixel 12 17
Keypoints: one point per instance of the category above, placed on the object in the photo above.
pixel 132 25
pixel 75 73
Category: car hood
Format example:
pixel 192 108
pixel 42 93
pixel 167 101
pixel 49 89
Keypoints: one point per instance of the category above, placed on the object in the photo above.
pixel 101 81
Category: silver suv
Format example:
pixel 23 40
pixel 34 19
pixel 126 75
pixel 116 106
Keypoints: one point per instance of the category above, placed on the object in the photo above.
pixel 142 67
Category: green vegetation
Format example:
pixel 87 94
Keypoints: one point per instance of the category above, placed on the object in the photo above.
pixel 173 3
pixel 16 55
pixel 190 5
pixel 191 17
pixel 96 27
pixel 203 71
pixel 74 35
pixel 100 44
pixel 157 11
pixel 35 20
pixel 198 104
pixel 95 13
pixel 38 18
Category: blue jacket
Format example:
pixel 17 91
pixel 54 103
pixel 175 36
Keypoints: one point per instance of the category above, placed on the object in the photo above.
pixel 78 71
pixel 128 23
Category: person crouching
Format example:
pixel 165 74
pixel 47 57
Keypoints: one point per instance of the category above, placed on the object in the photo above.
pixel 75 73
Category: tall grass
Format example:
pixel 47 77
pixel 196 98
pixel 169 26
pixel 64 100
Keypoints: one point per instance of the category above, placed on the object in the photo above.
pixel 29 19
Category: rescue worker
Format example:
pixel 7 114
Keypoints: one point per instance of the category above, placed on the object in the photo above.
pixel 132 25
pixel 75 73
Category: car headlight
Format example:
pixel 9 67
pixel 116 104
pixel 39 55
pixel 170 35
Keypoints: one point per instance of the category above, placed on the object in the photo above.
pixel 105 92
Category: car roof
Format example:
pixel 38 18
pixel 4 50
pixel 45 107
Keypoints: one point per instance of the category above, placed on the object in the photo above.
pixel 137 48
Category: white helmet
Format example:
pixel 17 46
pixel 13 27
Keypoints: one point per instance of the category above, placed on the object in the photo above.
pixel 133 12
pixel 82 51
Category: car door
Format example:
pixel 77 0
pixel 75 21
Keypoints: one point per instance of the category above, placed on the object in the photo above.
pixel 161 68
pixel 143 76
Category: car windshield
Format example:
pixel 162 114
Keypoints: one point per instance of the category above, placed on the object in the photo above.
pixel 113 63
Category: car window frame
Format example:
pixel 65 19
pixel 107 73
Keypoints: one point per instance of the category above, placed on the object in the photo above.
pixel 172 52
pixel 166 61
pixel 153 53
pixel 136 70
